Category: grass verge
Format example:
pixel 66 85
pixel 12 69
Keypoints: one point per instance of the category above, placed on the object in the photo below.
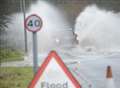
pixel 10 55
pixel 15 77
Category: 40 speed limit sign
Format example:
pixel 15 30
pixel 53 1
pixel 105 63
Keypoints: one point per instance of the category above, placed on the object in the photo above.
pixel 33 23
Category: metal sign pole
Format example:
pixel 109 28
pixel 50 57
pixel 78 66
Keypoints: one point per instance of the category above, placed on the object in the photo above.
pixel 35 53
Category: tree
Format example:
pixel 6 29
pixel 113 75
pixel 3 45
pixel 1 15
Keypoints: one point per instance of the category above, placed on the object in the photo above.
pixel 4 20
pixel 8 7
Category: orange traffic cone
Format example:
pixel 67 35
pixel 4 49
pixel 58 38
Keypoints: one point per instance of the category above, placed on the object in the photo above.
pixel 109 72
pixel 109 76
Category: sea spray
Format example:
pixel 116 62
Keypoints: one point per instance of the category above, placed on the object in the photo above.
pixel 55 26
pixel 98 30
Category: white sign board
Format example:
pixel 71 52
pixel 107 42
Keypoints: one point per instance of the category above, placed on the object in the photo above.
pixel 54 74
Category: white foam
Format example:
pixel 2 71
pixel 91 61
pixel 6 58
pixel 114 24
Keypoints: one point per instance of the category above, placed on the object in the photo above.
pixel 55 26
pixel 98 30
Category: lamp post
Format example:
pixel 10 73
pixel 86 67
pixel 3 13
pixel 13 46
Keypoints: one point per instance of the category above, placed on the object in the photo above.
pixel 25 32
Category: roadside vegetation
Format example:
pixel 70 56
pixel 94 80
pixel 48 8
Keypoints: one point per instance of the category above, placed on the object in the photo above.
pixel 10 55
pixel 15 77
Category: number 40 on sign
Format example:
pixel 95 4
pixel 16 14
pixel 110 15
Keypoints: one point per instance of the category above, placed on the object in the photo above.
pixel 33 23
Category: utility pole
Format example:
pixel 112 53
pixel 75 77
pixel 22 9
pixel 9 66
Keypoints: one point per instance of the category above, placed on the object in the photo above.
pixel 23 7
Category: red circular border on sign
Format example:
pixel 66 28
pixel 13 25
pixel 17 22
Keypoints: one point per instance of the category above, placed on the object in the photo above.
pixel 26 27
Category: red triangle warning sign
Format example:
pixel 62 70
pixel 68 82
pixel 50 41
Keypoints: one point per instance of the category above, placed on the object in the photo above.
pixel 54 74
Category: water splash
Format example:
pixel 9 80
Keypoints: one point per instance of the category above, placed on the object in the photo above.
pixel 98 30
pixel 55 26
